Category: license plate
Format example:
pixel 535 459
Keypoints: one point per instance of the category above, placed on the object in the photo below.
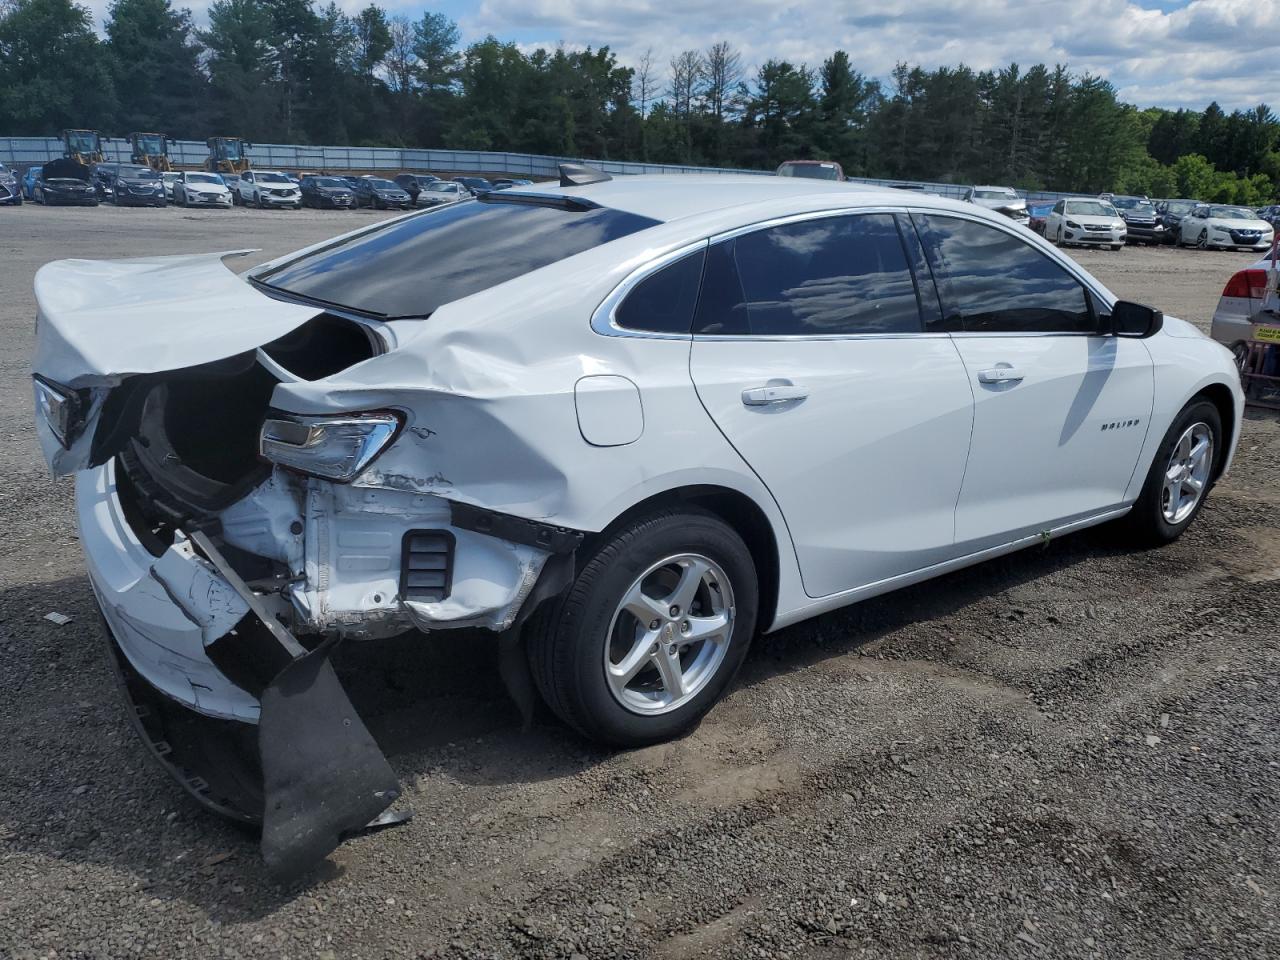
pixel 1267 334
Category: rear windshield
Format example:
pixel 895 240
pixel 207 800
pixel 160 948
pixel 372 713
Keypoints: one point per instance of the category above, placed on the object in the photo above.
pixel 810 171
pixel 413 265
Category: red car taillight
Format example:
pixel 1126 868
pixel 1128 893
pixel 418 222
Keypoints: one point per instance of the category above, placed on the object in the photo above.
pixel 1246 283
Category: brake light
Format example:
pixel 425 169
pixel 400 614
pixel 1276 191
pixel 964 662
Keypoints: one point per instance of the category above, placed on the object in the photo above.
pixel 1247 283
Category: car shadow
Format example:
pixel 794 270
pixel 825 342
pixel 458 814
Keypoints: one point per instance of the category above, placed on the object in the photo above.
pixel 80 788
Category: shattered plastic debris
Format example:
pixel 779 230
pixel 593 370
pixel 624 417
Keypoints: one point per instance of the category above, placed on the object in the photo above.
pixel 61 619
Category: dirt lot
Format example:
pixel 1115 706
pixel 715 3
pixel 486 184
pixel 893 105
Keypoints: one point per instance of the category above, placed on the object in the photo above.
pixel 1070 752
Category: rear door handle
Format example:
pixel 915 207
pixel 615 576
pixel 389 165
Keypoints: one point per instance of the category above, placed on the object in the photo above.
pixel 999 375
pixel 780 393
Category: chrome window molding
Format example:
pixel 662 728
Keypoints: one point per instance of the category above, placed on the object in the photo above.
pixel 603 318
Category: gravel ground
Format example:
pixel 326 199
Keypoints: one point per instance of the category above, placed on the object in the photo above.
pixel 1070 752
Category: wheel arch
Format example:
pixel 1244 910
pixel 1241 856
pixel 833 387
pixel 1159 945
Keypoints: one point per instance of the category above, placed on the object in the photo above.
pixel 739 512
pixel 1219 394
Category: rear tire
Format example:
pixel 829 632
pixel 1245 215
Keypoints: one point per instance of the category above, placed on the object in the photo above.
pixel 1156 518
pixel 670 557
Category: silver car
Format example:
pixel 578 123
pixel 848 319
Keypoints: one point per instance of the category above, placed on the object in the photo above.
pixel 1001 199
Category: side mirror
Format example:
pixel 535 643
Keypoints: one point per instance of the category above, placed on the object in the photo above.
pixel 1135 320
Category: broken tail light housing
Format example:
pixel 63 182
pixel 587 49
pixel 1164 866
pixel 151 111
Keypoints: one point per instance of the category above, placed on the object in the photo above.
pixel 61 407
pixel 336 448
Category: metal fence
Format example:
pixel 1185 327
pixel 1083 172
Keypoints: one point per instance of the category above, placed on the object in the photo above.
pixel 25 151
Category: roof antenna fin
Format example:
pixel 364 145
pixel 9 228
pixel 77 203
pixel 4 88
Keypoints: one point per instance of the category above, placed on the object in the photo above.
pixel 579 175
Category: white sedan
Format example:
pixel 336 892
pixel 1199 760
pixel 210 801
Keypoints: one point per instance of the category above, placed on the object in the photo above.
pixel 1214 225
pixel 1084 222
pixel 624 425
pixel 194 188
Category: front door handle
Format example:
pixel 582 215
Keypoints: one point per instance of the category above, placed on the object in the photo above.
pixel 777 393
pixel 999 375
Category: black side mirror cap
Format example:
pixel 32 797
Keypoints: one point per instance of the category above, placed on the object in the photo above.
pixel 1135 320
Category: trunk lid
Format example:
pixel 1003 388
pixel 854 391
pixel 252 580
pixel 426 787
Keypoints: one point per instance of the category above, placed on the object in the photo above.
pixel 102 322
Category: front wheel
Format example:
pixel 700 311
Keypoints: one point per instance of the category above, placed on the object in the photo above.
pixel 1202 241
pixel 1180 476
pixel 651 632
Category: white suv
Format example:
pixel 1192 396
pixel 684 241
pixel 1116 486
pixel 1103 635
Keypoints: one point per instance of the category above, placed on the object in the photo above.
pixel 267 188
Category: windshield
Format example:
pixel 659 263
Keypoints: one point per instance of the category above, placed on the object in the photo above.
pixel 475 181
pixel 330 182
pixel 152 144
pixel 411 266
pixel 138 173
pixel 227 151
pixel 379 184
pixel 445 188
pixel 1179 208
pixel 1232 213
pixel 83 142
pixel 810 171
pixel 995 195
pixel 204 178
pixel 272 178
pixel 1133 203
pixel 1090 208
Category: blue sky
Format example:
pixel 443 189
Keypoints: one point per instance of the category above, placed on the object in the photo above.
pixel 1170 53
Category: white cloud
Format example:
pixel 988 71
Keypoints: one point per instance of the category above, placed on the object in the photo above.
pixel 1207 49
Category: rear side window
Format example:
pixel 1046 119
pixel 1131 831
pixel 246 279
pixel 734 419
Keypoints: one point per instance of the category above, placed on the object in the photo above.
pixel 992 282
pixel 663 302
pixel 414 265
pixel 832 276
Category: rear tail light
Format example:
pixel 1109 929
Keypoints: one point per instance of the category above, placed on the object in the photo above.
pixel 334 448
pixel 1250 284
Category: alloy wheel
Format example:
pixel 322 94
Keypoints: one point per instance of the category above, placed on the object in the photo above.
pixel 669 634
pixel 1187 475
pixel 1202 241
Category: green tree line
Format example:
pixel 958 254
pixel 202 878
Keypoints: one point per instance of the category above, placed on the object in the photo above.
pixel 294 71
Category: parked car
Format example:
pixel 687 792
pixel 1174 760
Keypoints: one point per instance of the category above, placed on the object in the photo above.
pixel 811 169
pixel 268 188
pixel 506 183
pixel 378 193
pixel 1211 225
pixel 198 188
pixel 327 193
pixel 442 191
pixel 351 182
pixel 477 185
pixel 64 182
pixel 170 178
pixel 1142 222
pixel 1243 320
pixel 1038 215
pixel 413 183
pixel 1170 213
pixel 29 178
pixel 10 189
pixel 1085 221
pixel 1003 200
pixel 1271 215
pixel 133 185
pixel 637 420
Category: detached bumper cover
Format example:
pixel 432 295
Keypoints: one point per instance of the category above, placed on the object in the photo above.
pixel 319 777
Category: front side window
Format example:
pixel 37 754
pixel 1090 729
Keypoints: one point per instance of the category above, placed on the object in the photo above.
pixel 832 276
pixel 411 266
pixel 993 282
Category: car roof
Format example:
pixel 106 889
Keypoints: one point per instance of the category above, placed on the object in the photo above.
pixel 676 196
pixel 992 186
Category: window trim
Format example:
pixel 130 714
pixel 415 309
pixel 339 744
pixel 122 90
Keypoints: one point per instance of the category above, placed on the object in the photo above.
pixel 602 320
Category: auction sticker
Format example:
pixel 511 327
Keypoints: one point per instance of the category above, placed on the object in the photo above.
pixel 1267 334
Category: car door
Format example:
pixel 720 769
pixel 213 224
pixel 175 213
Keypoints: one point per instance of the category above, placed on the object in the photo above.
pixel 1060 409
pixel 1192 224
pixel 811 355
pixel 1053 223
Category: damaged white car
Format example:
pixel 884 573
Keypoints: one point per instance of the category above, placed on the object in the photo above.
pixel 622 424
